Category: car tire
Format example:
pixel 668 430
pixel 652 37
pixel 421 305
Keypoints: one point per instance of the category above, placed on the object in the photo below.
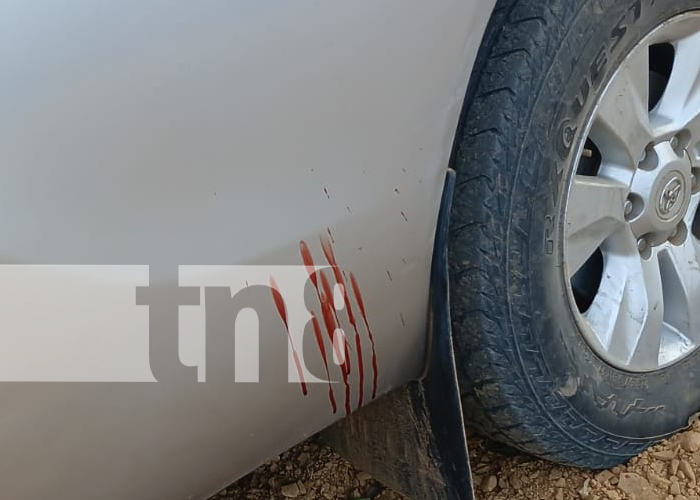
pixel 529 376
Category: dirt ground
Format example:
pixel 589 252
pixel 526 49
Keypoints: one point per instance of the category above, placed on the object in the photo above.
pixel 668 471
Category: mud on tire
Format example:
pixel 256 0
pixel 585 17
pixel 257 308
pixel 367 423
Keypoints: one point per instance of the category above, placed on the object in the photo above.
pixel 528 377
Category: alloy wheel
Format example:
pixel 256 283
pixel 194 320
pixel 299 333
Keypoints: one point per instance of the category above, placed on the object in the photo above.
pixel 632 247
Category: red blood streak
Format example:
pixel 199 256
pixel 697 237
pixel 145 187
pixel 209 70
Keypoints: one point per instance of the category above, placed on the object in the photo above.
pixel 282 310
pixel 361 305
pixel 360 369
pixel 279 302
pixel 322 348
pixel 327 296
pixel 304 389
pixel 330 257
pixel 329 320
pixel 308 261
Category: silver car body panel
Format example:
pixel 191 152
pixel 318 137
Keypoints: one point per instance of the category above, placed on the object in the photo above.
pixel 154 133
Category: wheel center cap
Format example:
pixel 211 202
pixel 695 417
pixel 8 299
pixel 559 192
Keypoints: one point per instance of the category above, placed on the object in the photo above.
pixel 672 195
pixel 663 185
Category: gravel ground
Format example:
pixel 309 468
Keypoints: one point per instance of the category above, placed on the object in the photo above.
pixel 312 472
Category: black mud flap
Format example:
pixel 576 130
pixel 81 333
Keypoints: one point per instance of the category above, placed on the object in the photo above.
pixel 413 440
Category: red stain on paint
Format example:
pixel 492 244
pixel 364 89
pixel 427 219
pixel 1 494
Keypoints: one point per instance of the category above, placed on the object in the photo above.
pixel 330 318
pixel 331 326
pixel 339 277
pixel 328 315
pixel 282 310
pixel 322 348
pixel 361 305
pixel 328 301
pixel 360 369
pixel 308 261
pixel 279 302
pixel 331 322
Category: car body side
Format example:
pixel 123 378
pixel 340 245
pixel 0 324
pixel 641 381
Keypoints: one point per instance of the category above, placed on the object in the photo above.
pixel 219 133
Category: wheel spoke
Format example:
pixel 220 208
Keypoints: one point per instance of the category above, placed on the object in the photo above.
pixel 693 126
pixel 621 128
pixel 692 210
pixel 679 106
pixel 627 313
pixel 595 211
pixel 680 272
pixel 650 307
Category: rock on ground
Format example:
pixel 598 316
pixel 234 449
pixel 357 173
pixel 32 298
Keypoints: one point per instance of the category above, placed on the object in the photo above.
pixel 668 471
